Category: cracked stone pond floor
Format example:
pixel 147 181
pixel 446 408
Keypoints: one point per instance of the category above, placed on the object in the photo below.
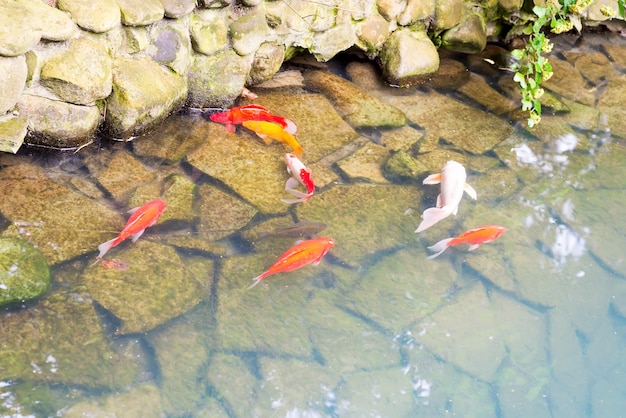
pixel 531 324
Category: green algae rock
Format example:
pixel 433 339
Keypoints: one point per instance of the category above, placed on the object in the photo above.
pixel 24 273
pixel 469 36
pixel 248 32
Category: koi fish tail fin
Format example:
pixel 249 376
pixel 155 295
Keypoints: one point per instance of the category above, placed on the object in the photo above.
pixel 257 280
pixel 431 216
pixel 106 246
pixel 439 247
pixel 298 151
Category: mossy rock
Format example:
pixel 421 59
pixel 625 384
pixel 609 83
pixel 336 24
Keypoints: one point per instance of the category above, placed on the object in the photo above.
pixel 24 272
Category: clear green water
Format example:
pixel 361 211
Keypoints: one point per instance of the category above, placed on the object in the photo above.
pixel 532 324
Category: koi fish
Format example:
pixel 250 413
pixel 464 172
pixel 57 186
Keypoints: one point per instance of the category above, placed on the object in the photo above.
pixel 475 237
pixel 142 217
pixel 116 264
pixel 452 179
pixel 239 114
pixel 270 130
pixel 297 230
pixel 302 254
pixel 300 175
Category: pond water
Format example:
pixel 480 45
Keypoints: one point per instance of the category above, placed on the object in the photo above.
pixel 531 324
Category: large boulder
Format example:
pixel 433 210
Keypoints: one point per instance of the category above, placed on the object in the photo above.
pixel 81 75
pixel 144 93
pixel 13 73
pixel 407 56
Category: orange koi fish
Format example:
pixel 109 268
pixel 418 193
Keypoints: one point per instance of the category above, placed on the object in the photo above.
pixel 239 114
pixel 303 253
pixel 475 237
pixel 270 130
pixel 452 179
pixel 141 218
pixel 301 175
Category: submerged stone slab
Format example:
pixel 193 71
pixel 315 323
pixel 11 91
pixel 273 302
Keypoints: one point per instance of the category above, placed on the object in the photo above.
pixel 220 214
pixel 61 222
pixel 471 129
pixel 181 351
pixel 376 392
pixel 293 385
pixel 465 333
pixel 233 381
pixel 281 329
pixel 122 174
pixel 335 333
pixel 143 297
pixel 358 107
pixel 63 343
pixel 359 212
pixel 402 288
pixel 440 386
pixel 143 400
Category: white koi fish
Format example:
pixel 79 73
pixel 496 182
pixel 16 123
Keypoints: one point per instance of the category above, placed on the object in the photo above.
pixel 301 175
pixel 452 179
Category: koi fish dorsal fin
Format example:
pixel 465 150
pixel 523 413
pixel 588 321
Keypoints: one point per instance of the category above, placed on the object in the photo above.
pixel 133 210
pixel 470 191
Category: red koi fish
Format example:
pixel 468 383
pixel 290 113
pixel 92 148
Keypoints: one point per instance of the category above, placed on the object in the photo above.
pixel 302 254
pixel 475 237
pixel 301 175
pixel 269 131
pixel 239 114
pixel 141 218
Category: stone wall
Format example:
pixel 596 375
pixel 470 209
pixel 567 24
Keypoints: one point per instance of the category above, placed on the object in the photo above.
pixel 72 68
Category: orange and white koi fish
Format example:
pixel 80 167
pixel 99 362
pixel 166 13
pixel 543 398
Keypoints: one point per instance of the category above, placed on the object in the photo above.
pixel 452 179
pixel 239 114
pixel 302 254
pixel 269 131
pixel 301 175
pixel 142 217
pixel 474 237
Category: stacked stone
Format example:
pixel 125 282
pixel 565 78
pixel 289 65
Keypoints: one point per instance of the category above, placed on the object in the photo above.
pixel 72 68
